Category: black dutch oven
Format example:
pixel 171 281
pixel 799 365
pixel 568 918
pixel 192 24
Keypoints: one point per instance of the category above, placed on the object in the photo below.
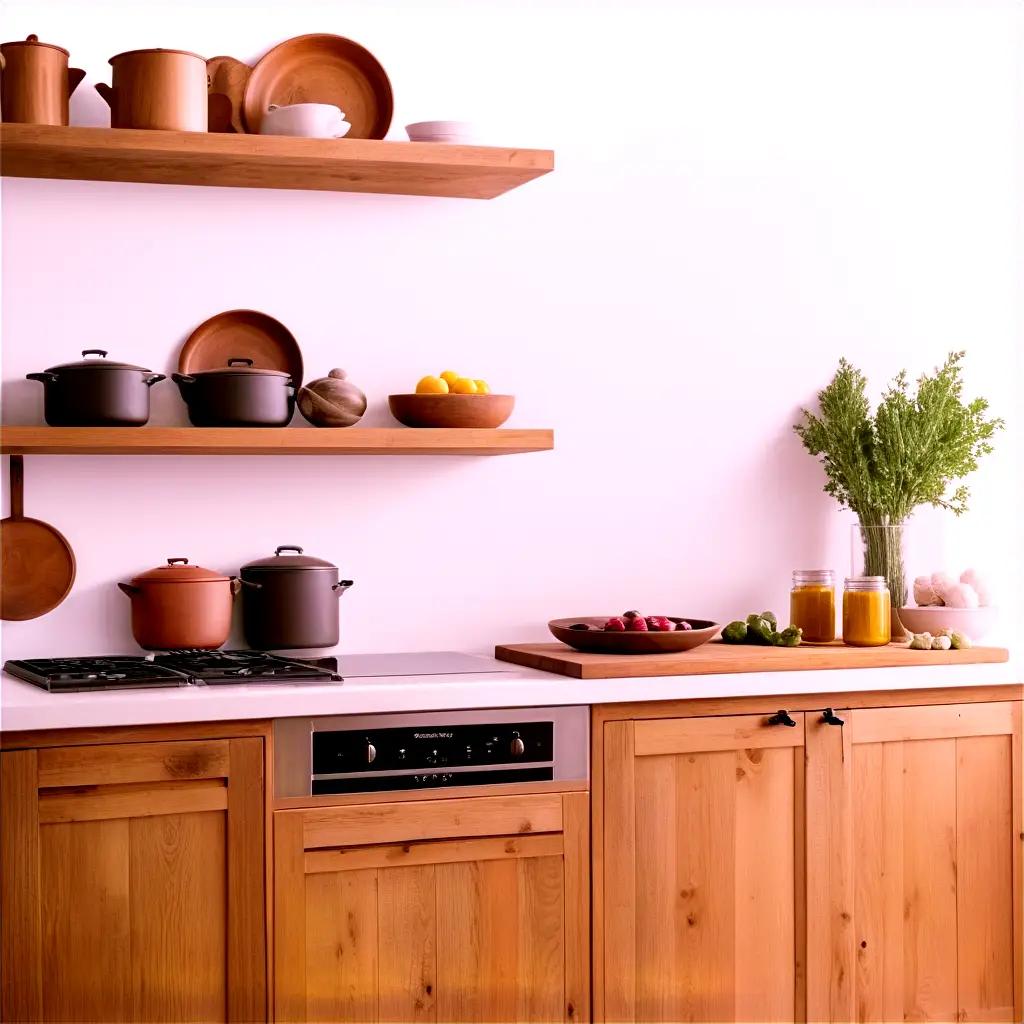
pixel 96 393
pixel 290 601
pixel 237 395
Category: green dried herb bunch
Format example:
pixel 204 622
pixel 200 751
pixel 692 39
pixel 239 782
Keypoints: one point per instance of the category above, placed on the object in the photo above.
pixel 882 467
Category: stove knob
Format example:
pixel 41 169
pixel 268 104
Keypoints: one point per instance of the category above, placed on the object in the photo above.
pixel 401 753
pixel 431 758
pixel 518 747
pixel 371 752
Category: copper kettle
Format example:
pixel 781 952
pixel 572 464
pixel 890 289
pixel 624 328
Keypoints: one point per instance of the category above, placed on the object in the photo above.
pixel 37 82
pixel 158 89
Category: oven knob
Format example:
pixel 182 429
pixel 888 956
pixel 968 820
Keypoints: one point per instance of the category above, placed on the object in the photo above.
pixel 518 747
pixel 371 752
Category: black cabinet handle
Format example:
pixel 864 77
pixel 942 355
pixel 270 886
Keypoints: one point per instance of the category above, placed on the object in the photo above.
pixel 782 718
pixel 829 717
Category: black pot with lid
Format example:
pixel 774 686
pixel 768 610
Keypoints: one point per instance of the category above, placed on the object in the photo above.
pixel 96 392
pixel 238 394
pixel 290 601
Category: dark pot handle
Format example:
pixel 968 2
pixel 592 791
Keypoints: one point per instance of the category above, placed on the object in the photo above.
pixel 341 586
pixel 129 589
pixel 177 561
pixel 43 378
pixel 182 378
pixel 94 352
pixel 155 379
pixel 239 361
pixel 288 547
pixel 248 583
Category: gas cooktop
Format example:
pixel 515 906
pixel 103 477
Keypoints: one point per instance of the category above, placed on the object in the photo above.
pixel 175 668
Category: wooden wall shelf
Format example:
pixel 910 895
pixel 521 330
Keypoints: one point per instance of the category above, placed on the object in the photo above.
pixel 267 161
pixel 269 441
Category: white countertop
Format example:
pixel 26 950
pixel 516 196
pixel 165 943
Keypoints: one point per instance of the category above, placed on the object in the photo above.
pixel 498 684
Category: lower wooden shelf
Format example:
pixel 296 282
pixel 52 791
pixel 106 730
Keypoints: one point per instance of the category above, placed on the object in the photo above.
pixel 269 441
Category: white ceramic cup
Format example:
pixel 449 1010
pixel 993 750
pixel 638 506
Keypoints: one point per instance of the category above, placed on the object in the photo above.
pixel 309 120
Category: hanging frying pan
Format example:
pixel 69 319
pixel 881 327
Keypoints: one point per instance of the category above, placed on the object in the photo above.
pixel 38 565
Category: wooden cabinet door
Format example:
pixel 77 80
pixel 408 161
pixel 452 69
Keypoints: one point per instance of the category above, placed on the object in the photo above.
pixel 465 909
pixel 132 882
pixel 922 881
pixel 699 909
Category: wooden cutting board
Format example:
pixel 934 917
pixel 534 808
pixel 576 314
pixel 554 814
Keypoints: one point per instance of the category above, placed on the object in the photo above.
pixel 718 659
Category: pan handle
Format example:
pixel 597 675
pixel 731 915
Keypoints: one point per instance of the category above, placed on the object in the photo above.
pixel 239 361
pixel 341 586
pixel 128 589
pixel 17 487
pixel 183 378
pixel 155 379
pixel 43 378
pixel 248 583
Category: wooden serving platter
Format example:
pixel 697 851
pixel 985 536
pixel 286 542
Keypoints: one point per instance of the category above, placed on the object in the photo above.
pixel 720 659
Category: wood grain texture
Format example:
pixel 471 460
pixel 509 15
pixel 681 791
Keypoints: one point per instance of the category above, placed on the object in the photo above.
pixel 187 731
pixel 426 819
pixel 21 991
pixel 270 440
pixel 666 736
pixel 576 883
pixel 264 161
pixel 717 658
pixel 939 722
pixel 133 762
pixel 406 939
pixel 131 800
pixel 289 975
pixel 246 877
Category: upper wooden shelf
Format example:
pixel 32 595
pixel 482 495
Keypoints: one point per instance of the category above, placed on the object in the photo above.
pixel 267 161
pixel 269 441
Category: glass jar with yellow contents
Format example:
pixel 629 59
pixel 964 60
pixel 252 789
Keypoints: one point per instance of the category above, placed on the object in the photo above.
pixel 866 612
pixel 812 604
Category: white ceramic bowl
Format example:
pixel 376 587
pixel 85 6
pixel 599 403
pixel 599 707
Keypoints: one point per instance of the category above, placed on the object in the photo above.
pixel 972 622
pixel 452 132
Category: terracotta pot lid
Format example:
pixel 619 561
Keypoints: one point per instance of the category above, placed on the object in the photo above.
pixel 294 561
pixel 129 53
pixel 33 40
pixel 177 570
pixel 102 363
pixel 239 366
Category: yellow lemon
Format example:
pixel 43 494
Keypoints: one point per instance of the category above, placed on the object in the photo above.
pixel 482 387
pixel 432 386
pixel 450 377
pixel 464 386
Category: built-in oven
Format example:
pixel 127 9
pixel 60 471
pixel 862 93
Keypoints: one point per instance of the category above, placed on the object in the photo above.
pixel 390 752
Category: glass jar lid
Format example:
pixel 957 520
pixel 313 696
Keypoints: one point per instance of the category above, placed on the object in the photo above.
pixel 876 583
pixel 811 577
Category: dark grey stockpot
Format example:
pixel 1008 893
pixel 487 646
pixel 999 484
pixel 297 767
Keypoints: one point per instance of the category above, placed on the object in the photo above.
pixel 290 601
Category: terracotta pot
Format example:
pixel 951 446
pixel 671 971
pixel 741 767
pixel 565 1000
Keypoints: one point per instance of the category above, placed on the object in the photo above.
pixel 161 89
pixel 178 605
pixel 290 601
pixel 37 82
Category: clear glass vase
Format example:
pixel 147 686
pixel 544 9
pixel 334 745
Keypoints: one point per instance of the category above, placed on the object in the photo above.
pixel 877 550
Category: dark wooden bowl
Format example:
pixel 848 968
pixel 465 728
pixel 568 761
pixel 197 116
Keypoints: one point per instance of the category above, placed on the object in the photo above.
pixel 596 640
pixel 451 410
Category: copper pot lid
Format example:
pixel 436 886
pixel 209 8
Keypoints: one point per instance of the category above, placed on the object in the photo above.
pixel 177 570
pixel 33 40
pixel 159 49
pixel 239 366
pixel 295 561
pixel 96 364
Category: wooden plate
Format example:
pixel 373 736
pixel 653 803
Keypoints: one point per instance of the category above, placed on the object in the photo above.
pixel 322 68
pixel 242 334
pixel 486 411
pixel 226 79
pixel 632 643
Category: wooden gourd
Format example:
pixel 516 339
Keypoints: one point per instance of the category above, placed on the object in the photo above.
pixel 332 401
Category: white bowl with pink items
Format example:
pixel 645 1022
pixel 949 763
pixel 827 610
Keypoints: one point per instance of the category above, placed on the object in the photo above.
pixel 943 602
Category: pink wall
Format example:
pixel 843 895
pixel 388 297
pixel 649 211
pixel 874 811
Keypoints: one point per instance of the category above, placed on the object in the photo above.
pixel 743 195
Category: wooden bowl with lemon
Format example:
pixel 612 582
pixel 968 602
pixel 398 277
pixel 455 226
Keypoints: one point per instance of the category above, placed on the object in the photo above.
pixel 451 400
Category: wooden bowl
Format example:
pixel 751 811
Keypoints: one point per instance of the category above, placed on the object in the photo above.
pixel 451 410
pixel 596 640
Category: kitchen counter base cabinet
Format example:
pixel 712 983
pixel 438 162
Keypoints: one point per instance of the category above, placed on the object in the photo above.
pixel 461 910
pixel 132 883
pixel 746 869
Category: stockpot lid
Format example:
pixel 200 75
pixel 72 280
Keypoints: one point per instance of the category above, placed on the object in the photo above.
pixel 238 366
pixel 158 49
pixel 177 570
pixel 295 561
pixel 33 40
pixel 102 363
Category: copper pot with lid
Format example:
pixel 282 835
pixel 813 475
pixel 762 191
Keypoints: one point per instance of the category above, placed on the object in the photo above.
pixel 36 82
pixel 177 606
pixel 159 89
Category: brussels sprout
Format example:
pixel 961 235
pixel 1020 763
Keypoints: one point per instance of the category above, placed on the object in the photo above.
pixel 790 636
pixel 770 616
pixel 735 633
pixel 759 630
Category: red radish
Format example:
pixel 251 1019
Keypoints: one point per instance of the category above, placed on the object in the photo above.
pixel 637 624
pixel 615 625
